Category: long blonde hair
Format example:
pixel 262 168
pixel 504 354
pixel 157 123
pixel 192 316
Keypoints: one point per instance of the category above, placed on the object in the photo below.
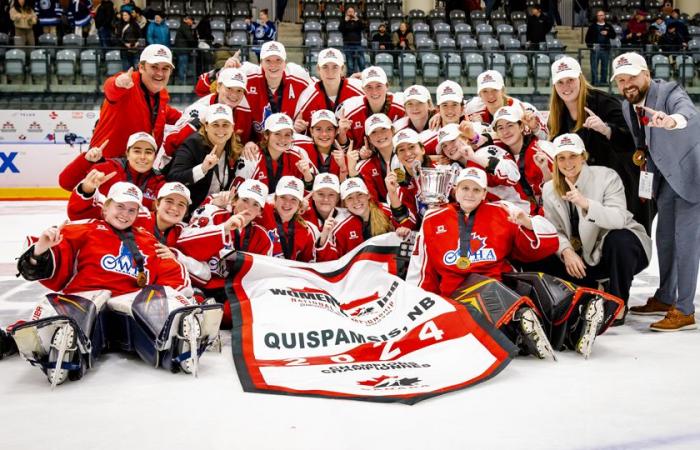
pixel 232 149
pixel 379 223
pixel 558 179
pixel 557 107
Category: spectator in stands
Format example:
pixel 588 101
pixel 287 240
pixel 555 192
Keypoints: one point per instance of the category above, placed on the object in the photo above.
pixel 185 41
pixel 580 13
pixel 598 40
pixel 490 6
pixel 660 24
pixel 667 9
pixel 382 39
pixel 49 13
pixel 403 38
pixel 158 31
pixel 141 21
pixel 264 30
pixel 636 33
pixel 24 18
pixel 281 6
pixel 5 21
pixel 681 27
pixel 671 41
pixel 351 26
pixel 538 25
pixel 79 16
pixel 552 8
pixel 104 22
pixel 126 5
pixel 129 35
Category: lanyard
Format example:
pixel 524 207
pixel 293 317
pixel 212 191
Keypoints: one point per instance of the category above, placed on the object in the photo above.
pixel 637 130
pixel 366 230
pixel 330 105
pixel 162 237
pixel 153 109
pixel 573 220
pixel 322 165
pixel 223 185
pixel 127 238
pixel 275 99
pixel 521 168
pixel 130 179
pixel 286 240
pixel 465 232
pixel 273 178
pixel 246 239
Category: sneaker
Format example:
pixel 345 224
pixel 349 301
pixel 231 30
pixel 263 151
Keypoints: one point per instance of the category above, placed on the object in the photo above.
pixel 533 334
pixel 592 321
pixel 190 331
pixel 62 348
pixel 675 321
pixel 654 307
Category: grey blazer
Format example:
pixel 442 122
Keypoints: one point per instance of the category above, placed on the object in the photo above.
pixel 607 211
pixel 675 154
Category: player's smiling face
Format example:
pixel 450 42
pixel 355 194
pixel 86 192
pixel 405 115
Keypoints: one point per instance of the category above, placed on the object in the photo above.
pixel 381 137
pixel 171 209
pixel 568 89
pixel 141 156
pixel 120 215
pixel 273 66
pixel 325 199
pixel 450 112
pixel 286 206
pixel 357 203
pixel 510 133
pixel 492 98
pixel 407 153
pixel 323 134
pixel 230 96
pixel 375 91
pixel 155 76
pixel 416 110
pixel 570 164
pixel 280 141
pixel 469 195
pixel 247 204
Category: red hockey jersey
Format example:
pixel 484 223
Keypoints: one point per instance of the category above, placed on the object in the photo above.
pixel 314 98
pixel 357 110
pixel 428 137
pixel 300 235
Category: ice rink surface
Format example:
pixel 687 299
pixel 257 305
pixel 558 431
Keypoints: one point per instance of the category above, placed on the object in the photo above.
pixel 639 390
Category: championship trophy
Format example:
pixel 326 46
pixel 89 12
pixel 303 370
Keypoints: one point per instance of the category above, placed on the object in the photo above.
pixel 435 184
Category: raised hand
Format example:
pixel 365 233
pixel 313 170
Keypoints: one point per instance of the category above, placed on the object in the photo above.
pixel 300 125
pixel 435 122
pixel 234 62
pixel 49 238
pixel 365 150
pixel 575 197
pixel 95 153
pixel 94 179
pixel 344 123
pixel 250 151
pixel 519 217
pixel 124 80
pixel 660 119
pixel 596 124
pixel 328 226
pixel 164 252
pixel 392 183
pixel 211 160
pixel 238 221
pixel 222 199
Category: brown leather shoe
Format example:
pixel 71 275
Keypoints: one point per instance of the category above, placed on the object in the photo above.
pixel 653 307
pixel 675 321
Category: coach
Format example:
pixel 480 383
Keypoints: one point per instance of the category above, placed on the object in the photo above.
pixel 666 128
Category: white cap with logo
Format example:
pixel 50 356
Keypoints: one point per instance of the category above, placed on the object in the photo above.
pixel 124 192
pixel 373 74
pixel 472 174
pixel 416 92
pixel 330 55
pixel 323 114
pixel 231 77
pixel 512 114
pixel 253 190
pixel 277 122
pixel 272 48
pixel 376 122
pixel 141 136
pixel 491 79
pixel 218 111
pixel 449 91
pixel 326 180
pixel 288 185
pixel 566 67
pixel 405 136
pixel 157 53
pixel 352 185
pixel 628 64
pixel 175 187
pixel 446 134
pixel 569 142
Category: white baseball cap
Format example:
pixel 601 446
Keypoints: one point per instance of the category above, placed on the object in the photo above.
pixel 326 180
pixel 141 136
pixel 512 114
pixel 446 134
pixel 566 67
pixel 416 92
pixel 288 185
pixel 278 121
pixel 231 77
pixel 352 185
pixel 124 192
pixel 491 79
pixel 218 111
pixel 272 48
pixel 449 91
pixel 375 122
pixel 628 64
pixel 156 53
pixel 175 187
pixel 472 174
pixel 330 55
pixel 373 74
pixel 323 114
pixel 254 190
pixel 569 142
pixel 406 136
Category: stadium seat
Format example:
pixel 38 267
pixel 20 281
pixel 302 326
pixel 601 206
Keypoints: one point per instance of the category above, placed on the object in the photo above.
pixel 15 60
pixel 38 65
pixel 452 64
pixel 407 68
pixel 441 29
pixel 518 68
pixel 446 43
pixel 312 41
pixel 686 69
pixel 518 18
pixel 498 18
pixel 457 16
pixel 415 15
pixel 462 29
pixel 92 40
pixel 555 45
pixel 88 65
pixel 510 43
pixel 661 67
pixel 335 39
pixel 311 58
pixel 473 66
pixel 73 40
pixel 373 26
pixel 430 65
pixel 420 29
pixel 477 17
pixel 386 62
pixel 66 62
pixel 504 29
pixel 424 43
pixel 332 25
pixel 48 40
pixel 312 26
pixel 467 42
pixel 238 25
pixel 497 62
pixel 436 16
pixel 488 43
pixel 694 49
pixel 484 28
pixel 113 62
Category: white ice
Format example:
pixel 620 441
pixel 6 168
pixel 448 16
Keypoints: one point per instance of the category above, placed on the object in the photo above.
pixel 638 390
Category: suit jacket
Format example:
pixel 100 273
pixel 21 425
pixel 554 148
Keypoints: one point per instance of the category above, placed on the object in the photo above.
pixel 675 154
pixel 607 211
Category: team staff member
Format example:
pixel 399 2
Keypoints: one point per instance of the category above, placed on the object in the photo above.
pixel 376 99
pixel 206 161
pixel 292 237
pixel 666 125
pixel 419 111
pixel 598 238
pixel 596 116
pixel 330 92
pixel 136 167
pixel 136 102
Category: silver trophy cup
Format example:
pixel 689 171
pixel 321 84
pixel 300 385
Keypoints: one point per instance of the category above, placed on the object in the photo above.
pixel 435 184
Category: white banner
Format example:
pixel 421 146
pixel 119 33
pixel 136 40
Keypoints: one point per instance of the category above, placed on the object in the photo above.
pixel 351 329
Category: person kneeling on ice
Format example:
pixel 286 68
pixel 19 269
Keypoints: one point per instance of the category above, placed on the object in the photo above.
pixel 107 271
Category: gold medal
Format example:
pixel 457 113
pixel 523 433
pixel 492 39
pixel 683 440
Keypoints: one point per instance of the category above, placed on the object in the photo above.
pixel 400 175
pixel 463 262
pixel 141 279
pixel 576 244
pixel 639 158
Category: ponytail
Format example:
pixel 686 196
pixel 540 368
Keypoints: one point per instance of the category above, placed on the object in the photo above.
pixel 379 223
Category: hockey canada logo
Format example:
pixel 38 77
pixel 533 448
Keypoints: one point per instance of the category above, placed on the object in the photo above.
pixel 61 128
pixel 482 253
pixel 413 91
pixel 34 127
pixel 373 73
pixel 122 263
pixel 311 297
pixel 330 54
pixel 622 61
pixel 447 90
pixel 488 79
pixel 8 127
pixel 566 140
pixel 562 67
pixel 256 189
pixel 220 110
pixel 273 48
pixel 162 53
pixel 389 382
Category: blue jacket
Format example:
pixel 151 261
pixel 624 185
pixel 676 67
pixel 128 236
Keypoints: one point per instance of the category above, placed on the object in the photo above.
pixel 262 32
pixel 79 12
pixel 158 34
pixel 49 12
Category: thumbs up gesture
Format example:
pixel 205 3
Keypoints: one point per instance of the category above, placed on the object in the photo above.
pixel 124 80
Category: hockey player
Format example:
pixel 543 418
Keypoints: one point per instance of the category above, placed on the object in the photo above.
pixel 321 148
pixel 419 111
pixel 330 92
pixel 323 203
pixel 109 265
pixel 135 167
pixel 376 99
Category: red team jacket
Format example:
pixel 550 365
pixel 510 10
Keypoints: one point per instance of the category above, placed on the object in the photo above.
pixel 357 110
pixel 322 164
pixel 313 98
pixel 91 257
pixel 428 137
pixel 125 112
pixel 373 170
pixel 494 240
pixel 285 165
pixel 304 238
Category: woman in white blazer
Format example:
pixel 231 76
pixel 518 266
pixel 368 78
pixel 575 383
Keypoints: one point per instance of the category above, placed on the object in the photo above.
pixel 598 238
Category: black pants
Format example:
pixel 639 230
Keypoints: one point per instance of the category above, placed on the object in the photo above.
pixel 623 257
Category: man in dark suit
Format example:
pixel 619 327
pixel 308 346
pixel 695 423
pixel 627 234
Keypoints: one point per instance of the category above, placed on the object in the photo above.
pixel 666 128
pixel 538 25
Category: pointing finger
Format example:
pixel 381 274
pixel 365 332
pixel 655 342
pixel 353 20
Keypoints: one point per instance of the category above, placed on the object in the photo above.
pixel 588 110
pixel 104 144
